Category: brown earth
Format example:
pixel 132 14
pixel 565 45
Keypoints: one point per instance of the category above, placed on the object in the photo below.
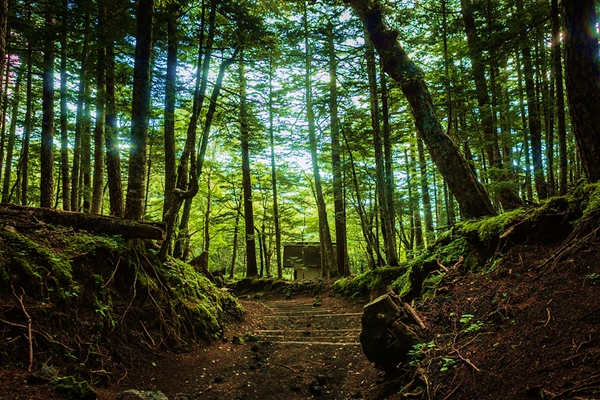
pixel 530 330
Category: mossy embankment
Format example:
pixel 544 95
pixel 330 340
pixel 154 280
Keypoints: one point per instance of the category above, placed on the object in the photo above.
pixel 478 246
pixel 93 302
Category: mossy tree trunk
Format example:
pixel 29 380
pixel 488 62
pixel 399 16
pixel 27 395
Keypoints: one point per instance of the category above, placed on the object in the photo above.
pixel 472 197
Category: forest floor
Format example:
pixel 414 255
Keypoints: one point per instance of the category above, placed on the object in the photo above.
pixel 528 330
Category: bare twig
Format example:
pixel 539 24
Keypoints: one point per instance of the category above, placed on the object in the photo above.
pixel 286 366
pixel 452 392
pixel 549 317
pixel 415 315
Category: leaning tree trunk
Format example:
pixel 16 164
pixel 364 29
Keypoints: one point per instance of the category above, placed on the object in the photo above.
pixel 472 197
pixel 583 88
pixel 47 152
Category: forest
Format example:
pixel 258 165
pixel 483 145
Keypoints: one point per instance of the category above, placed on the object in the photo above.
pixel 243 125
pixel 440 157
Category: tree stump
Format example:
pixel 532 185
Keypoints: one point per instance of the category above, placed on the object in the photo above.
pixel 388 332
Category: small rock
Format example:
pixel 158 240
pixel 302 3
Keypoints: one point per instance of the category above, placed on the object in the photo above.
pixel 45 373
pixel 69 388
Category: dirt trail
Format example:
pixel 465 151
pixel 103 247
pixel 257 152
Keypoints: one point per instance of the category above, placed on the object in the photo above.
pixel 284 349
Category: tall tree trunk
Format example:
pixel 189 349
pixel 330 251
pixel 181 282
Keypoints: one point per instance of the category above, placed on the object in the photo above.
pixel 547 92
pixel 528 192
pixel 86 152
pixel 560 100
pixel 414 201
pixel 98 182
pixel 535 126
pixel 47 151
pixel 64 131
pixel 386 134
pixel 336 161
pixel 4 106
pixel 3 37
pixel 16 98
pixel 140 112
pixel 24 162
pixel 329 268
pixel 472 197
pixel 251 267
pixel 169 124
pixel 113 159
pixel 582 73
pixel 387 225
pixel 274 175
pixel 80 122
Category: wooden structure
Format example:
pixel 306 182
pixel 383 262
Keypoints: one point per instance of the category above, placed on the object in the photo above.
pixel 304 258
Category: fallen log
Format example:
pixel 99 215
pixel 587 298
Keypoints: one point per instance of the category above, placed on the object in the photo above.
pixel 32 217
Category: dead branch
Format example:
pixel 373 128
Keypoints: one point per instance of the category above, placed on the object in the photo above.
pixel 415 315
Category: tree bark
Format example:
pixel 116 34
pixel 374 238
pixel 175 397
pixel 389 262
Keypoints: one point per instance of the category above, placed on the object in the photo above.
pixel 140 112
pixel 582 73
pixel 425 193
pixel 24 162
pixel 473 200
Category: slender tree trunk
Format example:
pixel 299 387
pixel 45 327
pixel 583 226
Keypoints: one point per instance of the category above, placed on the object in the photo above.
pixel 336 161
pixel 47 151
pixel 3 37
pixel 371 245
pixel 274 175
pixel 235 241
pixel 535 126
pixel 169 124
pixel 251 267
pixel 472 197
pixel 12 134
pixel 387 225
pixel 80 119
pixel 582 73
pixel 329 268
pixel 113 159
pixel 415 209
pixel 528 189
pixel 388 156
pixel 27 127
pixel 64 131
pixel 560 100
pixel 140 112
pixel 4 106
pixel 547 91
pixel 86 152
pixel 425 193
pixel 98 182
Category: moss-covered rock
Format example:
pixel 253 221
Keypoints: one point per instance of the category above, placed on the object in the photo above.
pixel 71 389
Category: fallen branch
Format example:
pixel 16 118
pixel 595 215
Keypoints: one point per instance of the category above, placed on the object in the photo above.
pixel 415 315
pixel 286 366
pixel 29 332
